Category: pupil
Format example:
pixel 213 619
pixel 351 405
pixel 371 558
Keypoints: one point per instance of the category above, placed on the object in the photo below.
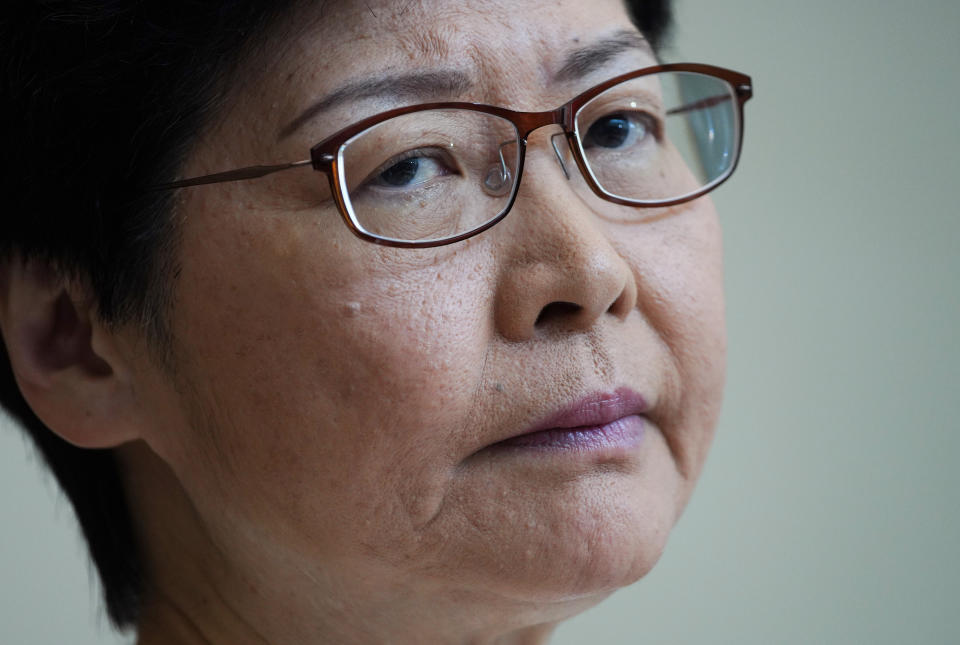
pixel 402 173
pixel 610 132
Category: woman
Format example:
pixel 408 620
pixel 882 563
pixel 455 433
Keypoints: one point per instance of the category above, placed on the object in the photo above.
pixel 376 388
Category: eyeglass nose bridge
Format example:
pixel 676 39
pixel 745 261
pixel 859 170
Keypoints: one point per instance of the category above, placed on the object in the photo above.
pixel 528 122
pixel 564 116
pixel 498 179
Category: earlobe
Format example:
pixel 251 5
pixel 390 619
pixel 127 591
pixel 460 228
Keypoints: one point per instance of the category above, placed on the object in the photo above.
pixel 63 358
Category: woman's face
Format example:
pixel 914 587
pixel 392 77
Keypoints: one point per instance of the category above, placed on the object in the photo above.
pixel 334 407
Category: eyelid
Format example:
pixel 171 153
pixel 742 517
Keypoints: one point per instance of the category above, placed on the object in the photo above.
pixel 653 123
pixel 632 99
pixel 653 111
pixel 403 156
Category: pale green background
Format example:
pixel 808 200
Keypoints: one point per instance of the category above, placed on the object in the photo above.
pixel 828 512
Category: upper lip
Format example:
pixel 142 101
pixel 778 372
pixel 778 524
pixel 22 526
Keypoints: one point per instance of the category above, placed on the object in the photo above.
pixel 596 409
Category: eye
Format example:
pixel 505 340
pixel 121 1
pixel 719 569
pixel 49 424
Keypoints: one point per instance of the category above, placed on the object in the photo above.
pixel 412 169
pixel 617 130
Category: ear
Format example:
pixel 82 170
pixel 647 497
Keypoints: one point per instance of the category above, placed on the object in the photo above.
pixel 64 359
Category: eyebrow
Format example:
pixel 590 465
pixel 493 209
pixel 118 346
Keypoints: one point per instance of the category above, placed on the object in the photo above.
pixel 585 60
pixel 419 85
pixel 413 85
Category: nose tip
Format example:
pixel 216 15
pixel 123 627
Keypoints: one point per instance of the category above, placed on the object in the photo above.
pixel 566 288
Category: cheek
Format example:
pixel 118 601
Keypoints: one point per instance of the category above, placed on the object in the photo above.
pixel 679 269
pixel 346 372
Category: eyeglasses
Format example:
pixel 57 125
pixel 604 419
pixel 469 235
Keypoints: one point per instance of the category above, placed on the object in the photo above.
pixel 437 173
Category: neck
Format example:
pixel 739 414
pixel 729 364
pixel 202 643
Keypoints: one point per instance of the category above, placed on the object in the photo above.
pixel 164 623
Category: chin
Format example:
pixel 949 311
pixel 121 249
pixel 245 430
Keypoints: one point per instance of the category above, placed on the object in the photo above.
pixel 581 552
pixel 522 589
pixel 606 554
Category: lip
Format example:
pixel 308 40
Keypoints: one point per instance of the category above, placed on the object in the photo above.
pixel 597 421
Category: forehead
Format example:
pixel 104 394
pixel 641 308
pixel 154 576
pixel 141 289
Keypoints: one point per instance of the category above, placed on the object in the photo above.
pixel 509 54
pixel 499 47
pixel 399 32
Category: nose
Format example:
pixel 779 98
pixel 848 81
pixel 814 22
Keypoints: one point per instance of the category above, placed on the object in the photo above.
pixel 562 271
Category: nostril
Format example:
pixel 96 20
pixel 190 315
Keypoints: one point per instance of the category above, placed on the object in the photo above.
pixel 557 311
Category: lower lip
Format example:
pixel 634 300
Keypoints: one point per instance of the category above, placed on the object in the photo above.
pixel 621 433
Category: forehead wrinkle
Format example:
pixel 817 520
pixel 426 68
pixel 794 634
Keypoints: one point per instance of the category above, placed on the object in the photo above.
pixel 431 43
pixel 439 37
pixel 432 38
pixel 448 46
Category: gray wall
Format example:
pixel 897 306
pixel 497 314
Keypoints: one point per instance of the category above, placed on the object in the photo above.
pixel 828 512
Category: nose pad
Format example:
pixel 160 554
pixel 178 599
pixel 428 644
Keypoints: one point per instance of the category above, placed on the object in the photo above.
pixel 499 180
pixel 556 151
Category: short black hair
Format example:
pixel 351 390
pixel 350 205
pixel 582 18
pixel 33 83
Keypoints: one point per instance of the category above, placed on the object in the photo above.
pixel 103 97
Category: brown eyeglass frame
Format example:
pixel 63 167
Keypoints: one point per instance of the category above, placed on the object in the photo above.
pixel 324 156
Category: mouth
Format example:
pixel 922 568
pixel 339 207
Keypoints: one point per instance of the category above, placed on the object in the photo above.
pixel 597 422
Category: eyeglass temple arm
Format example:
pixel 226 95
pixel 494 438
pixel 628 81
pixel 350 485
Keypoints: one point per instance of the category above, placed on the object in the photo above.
pixel 251 172
pixel 702 104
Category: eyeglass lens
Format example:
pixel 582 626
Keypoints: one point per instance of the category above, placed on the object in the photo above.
pixel 430 175
pixel 436 174
pixel 660 137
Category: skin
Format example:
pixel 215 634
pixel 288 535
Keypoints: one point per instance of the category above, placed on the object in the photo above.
pixel 309 468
